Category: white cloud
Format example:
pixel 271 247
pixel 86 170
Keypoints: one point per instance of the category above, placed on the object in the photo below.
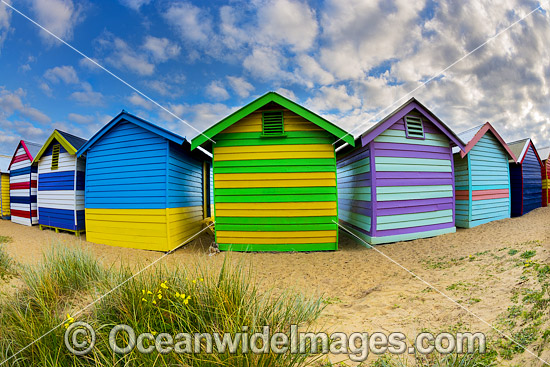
pixel 80 119
pixel 122 56
pixel 286 93
pixel 57 16
pixel 311 72
pixel 88 96
pixel 217 91
pixel 333 98
pixel 287 22
pixel 192 23
pixel 240 86
pixel 11 103
pixel 67 74
pixel 5 18
pixel 138 100
pixel 46 89
pixel 134 4
pixel 161 49
pixel 266 63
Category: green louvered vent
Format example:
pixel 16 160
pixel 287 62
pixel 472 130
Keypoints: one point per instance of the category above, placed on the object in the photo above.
pixel 414 126
pixel 272 123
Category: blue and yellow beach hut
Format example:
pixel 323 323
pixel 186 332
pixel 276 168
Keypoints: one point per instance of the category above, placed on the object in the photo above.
pixel 144 188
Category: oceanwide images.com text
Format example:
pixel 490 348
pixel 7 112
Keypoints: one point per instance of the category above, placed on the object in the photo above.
pixel 80 339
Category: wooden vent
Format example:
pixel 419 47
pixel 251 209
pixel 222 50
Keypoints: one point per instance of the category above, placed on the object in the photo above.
pixel 272 123
pixel 55 156
pixel 414 126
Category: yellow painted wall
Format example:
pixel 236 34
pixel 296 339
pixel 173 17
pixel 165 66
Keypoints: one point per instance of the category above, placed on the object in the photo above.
pixel 5 192
pixel 149 229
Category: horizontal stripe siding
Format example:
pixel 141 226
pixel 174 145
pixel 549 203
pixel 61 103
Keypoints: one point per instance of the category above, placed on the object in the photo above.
pixel 66 162
pixel 146 229
pixel 354 189
pixel 56 181
pixel 532 182
pixel 185 186
pixel 414 184
pixel 275 194
pixel 68 200
pixel 127 169
pixel 22 190
pixel 61 218
pixel 421 232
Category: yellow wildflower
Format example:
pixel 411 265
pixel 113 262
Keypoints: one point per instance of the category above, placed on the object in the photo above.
pixel 194 281
pixel 177 294
pixel 163 285
pixel 202 279
pixel 154 302
pixel 160 296
pixel 149 292
pixel 143 300
pixel 154 333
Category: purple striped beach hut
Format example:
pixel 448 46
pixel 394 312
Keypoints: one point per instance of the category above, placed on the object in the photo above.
pixel 397 184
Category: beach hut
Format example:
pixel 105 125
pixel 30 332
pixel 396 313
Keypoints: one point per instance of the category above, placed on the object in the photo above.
pixel 525 177
pixel 397 184
pixel 144 188
pixel 544 154
pixel 482 177
pixel 4 187
pixel 23 174
pixel 274 177
pixel 60 194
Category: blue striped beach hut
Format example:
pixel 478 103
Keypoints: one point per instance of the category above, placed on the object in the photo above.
pixel 482 177
pixel 61 183
pixel 144 187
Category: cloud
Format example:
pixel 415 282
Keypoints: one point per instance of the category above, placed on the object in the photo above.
pixel 266 63
pixel 287 22
pixel 5 18
pixel 311 72
pixel 58 16
pixel 138 100
pixel 286 93
pixel 217 91
pixel 122 56
pixel 240 86
pixel 80 119
pixel 88 97
pixel 134 4
pixel 66 74
pixel 11 104
pixel 192 23
pixel 333 98
pixel 161 49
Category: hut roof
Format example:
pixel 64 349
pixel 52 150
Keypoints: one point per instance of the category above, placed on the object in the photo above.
pixel 401 111
pixel 125 116
pixel 520 148
pixel 70 142
pixel 206 136
pixel 473 135
pixel 544 153
pixel 30 148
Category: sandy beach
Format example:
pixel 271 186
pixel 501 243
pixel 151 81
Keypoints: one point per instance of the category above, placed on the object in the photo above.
pixel 365 290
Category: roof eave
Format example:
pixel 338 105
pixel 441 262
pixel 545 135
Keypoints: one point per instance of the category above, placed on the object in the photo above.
pixel 61 139
pixel 223 124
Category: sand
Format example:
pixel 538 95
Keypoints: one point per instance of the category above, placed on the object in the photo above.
pixel 366 291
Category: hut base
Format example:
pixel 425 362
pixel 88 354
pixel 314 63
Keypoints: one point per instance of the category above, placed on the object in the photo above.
pixel 56 229
pixel 294 247
pixel 397 238
pixel 6 217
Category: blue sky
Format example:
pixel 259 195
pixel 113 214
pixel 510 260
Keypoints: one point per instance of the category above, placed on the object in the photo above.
pixel 344 59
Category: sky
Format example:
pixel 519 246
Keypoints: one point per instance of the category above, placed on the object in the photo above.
pixel 351 61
